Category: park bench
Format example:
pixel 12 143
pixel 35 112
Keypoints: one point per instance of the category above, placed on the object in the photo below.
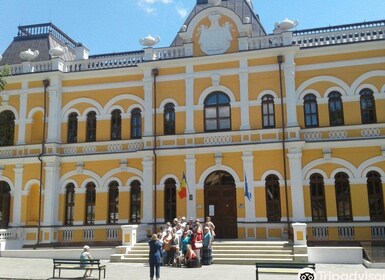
pixel 77 264
pixel 283 265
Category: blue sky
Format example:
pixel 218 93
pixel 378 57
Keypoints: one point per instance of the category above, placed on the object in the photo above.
pixel 106 26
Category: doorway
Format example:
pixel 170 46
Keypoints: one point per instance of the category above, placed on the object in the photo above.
pixel 221 203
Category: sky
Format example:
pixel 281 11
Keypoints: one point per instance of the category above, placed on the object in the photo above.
pixel 106 26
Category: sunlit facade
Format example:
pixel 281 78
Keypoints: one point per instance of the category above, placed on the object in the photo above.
pixel 296 118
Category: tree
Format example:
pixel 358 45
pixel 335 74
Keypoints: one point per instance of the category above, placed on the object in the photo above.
pixel 3 74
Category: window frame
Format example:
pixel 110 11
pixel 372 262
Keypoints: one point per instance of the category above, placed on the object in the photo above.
pixel 90 204
pixel 310 103
pixel 218 105
pixel 336 116
pixel 343 197
pixel 135 202
pixel 69 206
pixel 72 128
pixel 169 200
pixel 375 196
pixel 91 127
pixel 267 101
pixel 169 119
pixel 317 198
pixel 136 123
pixel 113 203
pixel 368 106
pixel 273 201
pixel 116 125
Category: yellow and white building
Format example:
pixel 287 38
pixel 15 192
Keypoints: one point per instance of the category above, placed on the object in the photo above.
pixel 268 129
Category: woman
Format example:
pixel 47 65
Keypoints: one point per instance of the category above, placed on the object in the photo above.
pixel 154 256
pixel 211 226
pixel 185 240
pixel 190 257
pixel 207 251
pixel 197 241
pixel 167 242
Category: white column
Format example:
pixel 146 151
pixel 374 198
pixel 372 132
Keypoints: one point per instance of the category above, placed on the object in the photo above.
pixel 51 192
pixel 291 97
pixel 22 117
pixel 17 195
pixel 148 100
pixel 54 114
pixel 296 184
pixel 244 88
pixel 248 169
pixel 190 178
pixel 148 190
pixel 189 100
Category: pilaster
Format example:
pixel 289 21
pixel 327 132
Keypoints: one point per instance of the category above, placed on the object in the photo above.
pixel 190 162
pixel 291 97
pixel 189 100
pixel 22 117
pixel 17 194
pixel 296 183
pixel 148 190
pixel 148 106
pixel 248 169
pixel 54 115
pixel 51 191
pixel 244 88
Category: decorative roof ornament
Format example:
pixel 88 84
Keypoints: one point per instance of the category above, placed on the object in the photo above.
pixel 184 27
pixel 149 41
pixel 57 51
pixel 29 55
pixel 215 2
pixel 285 25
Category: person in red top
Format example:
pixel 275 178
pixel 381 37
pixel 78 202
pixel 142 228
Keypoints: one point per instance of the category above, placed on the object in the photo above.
pixel 190 257
pixel 197 240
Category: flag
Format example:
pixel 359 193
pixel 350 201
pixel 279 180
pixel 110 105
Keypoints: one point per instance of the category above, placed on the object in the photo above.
pixel 247 193
pixel 182 192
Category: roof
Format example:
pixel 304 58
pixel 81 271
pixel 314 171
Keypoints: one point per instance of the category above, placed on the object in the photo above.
pixel 41 37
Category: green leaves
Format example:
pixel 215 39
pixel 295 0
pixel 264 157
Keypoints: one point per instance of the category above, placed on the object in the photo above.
pixel 3 74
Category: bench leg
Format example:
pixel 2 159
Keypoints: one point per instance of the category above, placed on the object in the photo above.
pixel 256 274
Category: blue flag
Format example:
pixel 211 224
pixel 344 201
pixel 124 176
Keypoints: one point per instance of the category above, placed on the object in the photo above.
pixel 247 193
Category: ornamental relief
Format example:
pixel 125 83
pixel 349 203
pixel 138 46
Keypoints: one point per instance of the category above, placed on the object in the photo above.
pixel 216 38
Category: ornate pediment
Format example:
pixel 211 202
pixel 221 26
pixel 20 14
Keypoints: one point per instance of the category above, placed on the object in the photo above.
pixel 216 38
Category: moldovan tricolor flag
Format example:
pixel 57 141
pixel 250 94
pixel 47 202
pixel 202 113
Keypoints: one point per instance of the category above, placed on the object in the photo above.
pixel 182 192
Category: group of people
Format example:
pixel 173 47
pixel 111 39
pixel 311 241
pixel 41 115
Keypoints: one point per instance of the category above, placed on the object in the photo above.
pixel 182 243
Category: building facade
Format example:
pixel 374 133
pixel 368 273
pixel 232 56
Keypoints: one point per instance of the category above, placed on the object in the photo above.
pixel 265 129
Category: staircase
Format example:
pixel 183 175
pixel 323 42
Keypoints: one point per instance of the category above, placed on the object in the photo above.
pixel 224 252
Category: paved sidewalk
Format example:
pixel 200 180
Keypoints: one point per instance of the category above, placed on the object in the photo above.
pixel 18 268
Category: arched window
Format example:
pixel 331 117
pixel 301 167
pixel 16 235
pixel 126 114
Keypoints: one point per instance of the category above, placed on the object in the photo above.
pixel 136 124
pixel 116 125
pixel 72 135
pixel 317 195
pixel 5 202
pixel 135 211
pixel 169 119
pixel 91 127
pixel 336 112
pixel 344 205
pixel 368 106
pixel 169 200
pixel 90 203
pixel 69 204
pixel 273 199
pixel 375 196
pixel 217 112
pixel 7 128
pixel 268 115
pixel 113 202
pixel 310 110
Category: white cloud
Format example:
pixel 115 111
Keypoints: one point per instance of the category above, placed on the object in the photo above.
pixel 148 5
pixel 182 12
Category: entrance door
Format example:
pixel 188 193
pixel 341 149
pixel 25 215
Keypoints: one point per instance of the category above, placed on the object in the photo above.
pixel 220 203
